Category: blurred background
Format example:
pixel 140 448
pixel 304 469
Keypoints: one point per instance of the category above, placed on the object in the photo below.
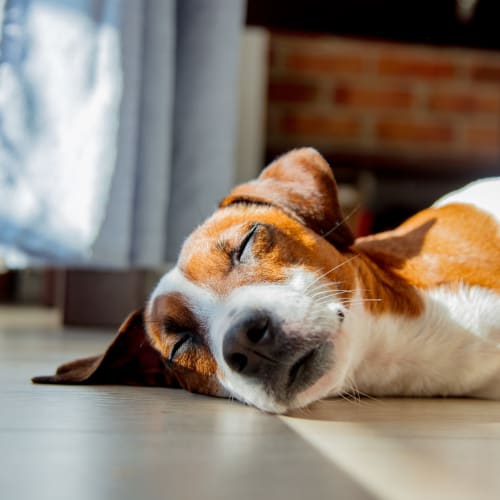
pixel 122 123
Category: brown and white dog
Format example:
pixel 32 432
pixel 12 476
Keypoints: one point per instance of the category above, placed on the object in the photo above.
pixel 274 303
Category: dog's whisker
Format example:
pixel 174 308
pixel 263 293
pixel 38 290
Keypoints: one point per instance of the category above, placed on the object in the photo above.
pixel 359 394
pixel 352 396
pixel 367 396
pixel 327 300
pixel 341 222
pixel 326 292
pixel 320 286
pixel 331 271
pixel 359 301
pixel 318 278
pixel 326 286
pixel 335 290
pixel 345 397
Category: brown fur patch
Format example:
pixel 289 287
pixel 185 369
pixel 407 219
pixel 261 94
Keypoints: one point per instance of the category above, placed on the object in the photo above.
pixel 453 244
pixel 169 318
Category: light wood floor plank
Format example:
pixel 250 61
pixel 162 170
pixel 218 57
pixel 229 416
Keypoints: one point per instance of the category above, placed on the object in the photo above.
pixel 110 442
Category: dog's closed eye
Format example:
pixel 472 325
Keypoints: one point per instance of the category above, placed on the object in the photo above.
pixel 242 254
pixel 257 242
pixel 183 342
pixel 182 333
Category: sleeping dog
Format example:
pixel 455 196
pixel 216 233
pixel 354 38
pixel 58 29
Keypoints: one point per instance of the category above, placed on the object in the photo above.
pixel 273 302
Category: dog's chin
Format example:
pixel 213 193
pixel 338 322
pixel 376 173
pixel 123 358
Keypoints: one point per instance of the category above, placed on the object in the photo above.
pixel 309 380
pixel 308 370
pixel 332 382
pixel 321 389
pixel 329 382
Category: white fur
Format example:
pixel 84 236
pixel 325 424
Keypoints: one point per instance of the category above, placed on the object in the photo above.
pixel 451 349
pixel 483 194
pixel 203 301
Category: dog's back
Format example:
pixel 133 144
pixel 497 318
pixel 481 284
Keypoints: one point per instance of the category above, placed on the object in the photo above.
pixel 451 254
pixel 457 240
pixel 483 194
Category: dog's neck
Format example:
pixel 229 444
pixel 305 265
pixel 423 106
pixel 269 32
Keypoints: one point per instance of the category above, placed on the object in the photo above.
pixel 382 290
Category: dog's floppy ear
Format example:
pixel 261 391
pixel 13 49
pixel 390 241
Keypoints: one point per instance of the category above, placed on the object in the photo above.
pixel 129 360
pixel 300 183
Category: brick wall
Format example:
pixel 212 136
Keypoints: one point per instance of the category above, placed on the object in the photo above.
pixel 377 98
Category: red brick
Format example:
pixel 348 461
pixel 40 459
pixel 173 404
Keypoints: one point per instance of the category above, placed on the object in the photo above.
pixel 315 125
pixel 332 64
pixel 465 102
pixel 486 73
pixel 401 130
pixel 372 97
pixel 483 138
pixel 415 67
pixel 292 91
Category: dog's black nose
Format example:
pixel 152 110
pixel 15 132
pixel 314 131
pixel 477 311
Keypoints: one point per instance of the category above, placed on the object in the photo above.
pixel 248 343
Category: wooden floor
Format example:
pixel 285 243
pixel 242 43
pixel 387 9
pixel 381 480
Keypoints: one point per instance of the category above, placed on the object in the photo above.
pixel 62 442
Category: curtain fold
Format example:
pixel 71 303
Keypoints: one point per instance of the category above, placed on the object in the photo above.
pixel 117 130
pixel 133 231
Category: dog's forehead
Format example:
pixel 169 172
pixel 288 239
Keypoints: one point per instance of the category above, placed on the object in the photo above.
pixel 203 249
pixel 230 222
pixel 206 255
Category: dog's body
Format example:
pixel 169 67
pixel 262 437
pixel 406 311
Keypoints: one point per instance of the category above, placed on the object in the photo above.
pixel 272 301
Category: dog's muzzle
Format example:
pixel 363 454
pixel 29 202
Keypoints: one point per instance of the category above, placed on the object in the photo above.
pixel 258 347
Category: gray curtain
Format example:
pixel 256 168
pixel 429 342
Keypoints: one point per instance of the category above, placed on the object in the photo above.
pixel 181 61
pixel 176 135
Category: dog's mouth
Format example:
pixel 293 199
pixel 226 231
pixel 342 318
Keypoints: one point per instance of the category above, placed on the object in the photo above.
pixel 299 367
pixel 308 369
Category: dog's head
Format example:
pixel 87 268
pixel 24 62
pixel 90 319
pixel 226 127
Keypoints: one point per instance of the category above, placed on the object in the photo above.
pixel 255 307
pixel 256 300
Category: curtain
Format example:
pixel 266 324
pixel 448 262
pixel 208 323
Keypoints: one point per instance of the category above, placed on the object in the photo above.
pixel 117 126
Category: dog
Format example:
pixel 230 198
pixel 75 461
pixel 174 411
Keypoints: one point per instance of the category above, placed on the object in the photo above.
pixel 274 302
